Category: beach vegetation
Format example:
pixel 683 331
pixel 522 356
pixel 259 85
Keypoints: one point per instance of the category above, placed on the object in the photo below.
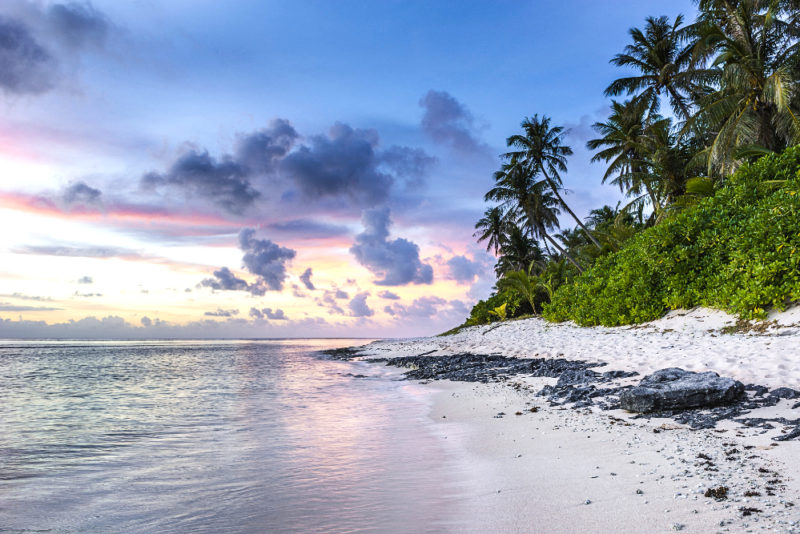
pixel 700 140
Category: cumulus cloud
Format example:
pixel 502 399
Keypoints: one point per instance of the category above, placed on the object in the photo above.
pixel 225 280
pixel 227 181
pixel 146 321
pixel 345 164
pixel 197 174
pixel 306 279
pixel 339 294
pixel 342 163
pixel 358 306
pixel 348 163
pixel 262 150
pixel 448 122
pixel 219 312
pixel 267 313
pixel 25 66
pixel 394 262
pixel 463 270
pixel 388 295
pixel 85 280
pixel 264 258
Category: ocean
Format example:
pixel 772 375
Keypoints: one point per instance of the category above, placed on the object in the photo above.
pixel 216 436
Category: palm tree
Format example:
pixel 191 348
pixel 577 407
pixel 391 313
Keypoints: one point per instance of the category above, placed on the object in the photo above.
pixel 518 251
pixel 528 201
pixel 754 44
pixel 492 228
pixel 524 281
pixel 623 146
pixel 541 149
pixel 663 63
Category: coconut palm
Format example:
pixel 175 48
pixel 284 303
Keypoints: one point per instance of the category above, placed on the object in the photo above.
pixel 541 149
pixel 519 251
pixel 663 63
pixel 492 228
pixel 528 201
pixel 754 43
pixel 622 146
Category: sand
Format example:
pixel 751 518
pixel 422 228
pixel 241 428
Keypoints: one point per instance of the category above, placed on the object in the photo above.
pixel 559 470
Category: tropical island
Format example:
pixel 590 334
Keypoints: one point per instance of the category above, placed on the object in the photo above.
pixel 713 212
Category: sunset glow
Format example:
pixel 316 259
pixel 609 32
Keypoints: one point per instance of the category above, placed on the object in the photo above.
pixel 199 170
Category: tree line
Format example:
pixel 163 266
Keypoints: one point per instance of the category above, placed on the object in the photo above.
pixel 730 81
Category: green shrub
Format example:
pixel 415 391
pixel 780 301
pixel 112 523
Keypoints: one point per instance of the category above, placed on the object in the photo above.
pixel 482 311
pixel 738 251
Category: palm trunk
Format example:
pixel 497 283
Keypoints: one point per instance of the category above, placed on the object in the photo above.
pixel 651 194
pixel 564 252
pixel 577 220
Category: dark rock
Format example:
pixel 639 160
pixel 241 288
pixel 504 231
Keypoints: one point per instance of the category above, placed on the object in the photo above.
pixel 614 375
pixel 794 434
pixel 758 391
pixel 785 393
pixel 676 389
pixel 487 367
pixel 571 377
pixel 345 353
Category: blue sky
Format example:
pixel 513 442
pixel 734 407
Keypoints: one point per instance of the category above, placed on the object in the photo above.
pixel 124 159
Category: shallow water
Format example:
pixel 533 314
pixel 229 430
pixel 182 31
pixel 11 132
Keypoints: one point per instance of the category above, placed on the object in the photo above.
pixel 244 436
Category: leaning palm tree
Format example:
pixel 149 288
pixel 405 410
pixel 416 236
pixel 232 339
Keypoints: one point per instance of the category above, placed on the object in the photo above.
pixel 663 63
pixel 492 228
pixel 755 45
pixel 541 149
pixel 529 202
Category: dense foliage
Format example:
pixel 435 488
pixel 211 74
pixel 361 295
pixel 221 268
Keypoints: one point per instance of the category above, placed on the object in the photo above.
pixel 738 251
pixel 712 210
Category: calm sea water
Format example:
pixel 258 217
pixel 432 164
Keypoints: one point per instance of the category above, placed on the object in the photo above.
pixel 245 436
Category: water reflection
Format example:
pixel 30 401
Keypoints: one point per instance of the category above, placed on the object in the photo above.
pixel 246 436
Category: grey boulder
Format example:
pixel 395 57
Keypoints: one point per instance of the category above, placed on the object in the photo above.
pixel 676 389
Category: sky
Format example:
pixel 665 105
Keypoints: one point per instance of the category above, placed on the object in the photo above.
pixel 258 169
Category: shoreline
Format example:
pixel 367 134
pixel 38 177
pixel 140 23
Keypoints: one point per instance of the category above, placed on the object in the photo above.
pixel 548 467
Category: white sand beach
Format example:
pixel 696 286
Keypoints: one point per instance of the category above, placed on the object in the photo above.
pixel 540 468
